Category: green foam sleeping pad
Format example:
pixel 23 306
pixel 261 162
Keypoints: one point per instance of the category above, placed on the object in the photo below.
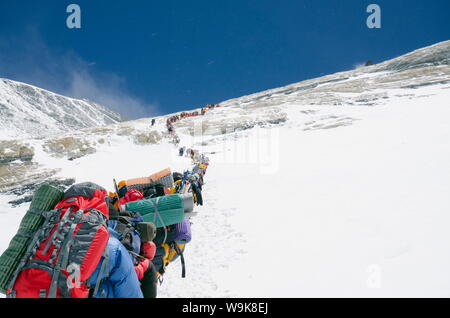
pixel 170 207
pixel 169 217
pixel 45 198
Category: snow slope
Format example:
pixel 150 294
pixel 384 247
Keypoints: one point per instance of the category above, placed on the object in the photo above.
pixel 331 198
pixel 356 211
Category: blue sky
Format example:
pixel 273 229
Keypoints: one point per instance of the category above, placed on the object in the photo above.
pixel 154 57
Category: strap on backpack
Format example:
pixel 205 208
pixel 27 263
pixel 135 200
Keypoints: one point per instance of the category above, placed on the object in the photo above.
pixel 157 214
pixel 62 246
pixel 104 271
pixel 183 264
pixel 60 226
pixel 124 222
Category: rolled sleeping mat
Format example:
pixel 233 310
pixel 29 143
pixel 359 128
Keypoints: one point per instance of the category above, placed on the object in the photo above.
pixel 170 208
pixel 163 177
pixel 166 181
pixel 188 202
pixel 45 198
pixel 183 234
pixel 144 180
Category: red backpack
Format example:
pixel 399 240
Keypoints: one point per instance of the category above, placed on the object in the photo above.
pixel 67 248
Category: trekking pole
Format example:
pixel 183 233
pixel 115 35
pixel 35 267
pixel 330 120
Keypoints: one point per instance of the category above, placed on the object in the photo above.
pixel 117 189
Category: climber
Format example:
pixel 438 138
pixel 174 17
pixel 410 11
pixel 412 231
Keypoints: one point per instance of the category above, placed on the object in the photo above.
pixel 122 280
pixel 170 128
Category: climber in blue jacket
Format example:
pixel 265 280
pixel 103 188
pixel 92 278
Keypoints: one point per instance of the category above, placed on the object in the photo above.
pixel 121 280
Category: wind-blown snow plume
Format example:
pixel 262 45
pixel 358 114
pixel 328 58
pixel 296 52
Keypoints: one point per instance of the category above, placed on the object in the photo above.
pixel 68 74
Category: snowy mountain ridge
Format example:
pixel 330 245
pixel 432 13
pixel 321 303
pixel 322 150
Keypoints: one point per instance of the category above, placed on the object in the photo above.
pixel 31 112
pixel 366 86
pixel 425 66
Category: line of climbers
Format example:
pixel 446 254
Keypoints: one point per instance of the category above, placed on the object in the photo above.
pixel 84 242
pixel 173 119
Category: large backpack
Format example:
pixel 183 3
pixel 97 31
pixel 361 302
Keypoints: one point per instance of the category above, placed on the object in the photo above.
pixel 125 228
pixel 65 251
pixel 166 254
pixel 171 245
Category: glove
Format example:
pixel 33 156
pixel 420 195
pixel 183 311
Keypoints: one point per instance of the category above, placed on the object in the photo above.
pixel 141 268
pixel 148 250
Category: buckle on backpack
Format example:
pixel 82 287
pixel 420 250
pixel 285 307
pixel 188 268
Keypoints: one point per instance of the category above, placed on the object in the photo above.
pixel 43 293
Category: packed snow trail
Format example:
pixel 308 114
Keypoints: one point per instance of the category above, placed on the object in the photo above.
pixel 357 211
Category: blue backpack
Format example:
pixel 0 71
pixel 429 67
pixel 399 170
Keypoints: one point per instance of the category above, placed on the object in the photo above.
pixel 124 228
